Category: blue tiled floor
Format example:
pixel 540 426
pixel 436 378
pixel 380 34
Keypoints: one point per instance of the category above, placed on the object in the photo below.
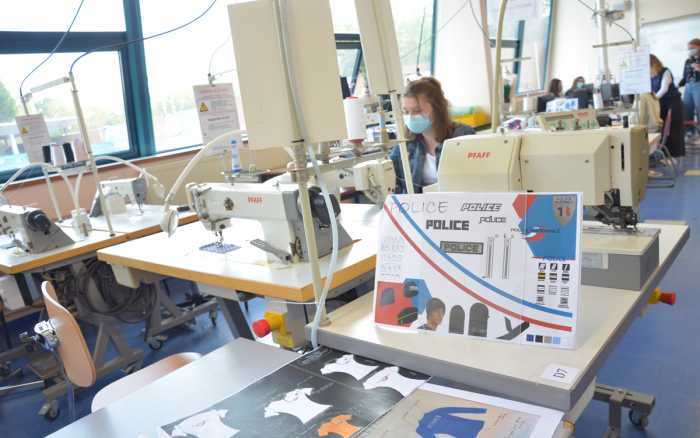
pixel 658 355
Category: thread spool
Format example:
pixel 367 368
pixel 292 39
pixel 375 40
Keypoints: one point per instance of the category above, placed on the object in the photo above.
pixel 355 119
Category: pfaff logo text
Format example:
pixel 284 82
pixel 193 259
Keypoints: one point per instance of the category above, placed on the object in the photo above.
pixel 255 199
pixel 478 155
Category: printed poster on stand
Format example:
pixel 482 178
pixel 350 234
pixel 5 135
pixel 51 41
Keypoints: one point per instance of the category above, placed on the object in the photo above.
pixel 494 266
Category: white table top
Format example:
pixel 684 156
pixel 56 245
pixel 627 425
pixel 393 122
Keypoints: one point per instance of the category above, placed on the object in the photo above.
pixel 13 262
pixel 184 391
pixel 135 223
pixel 513 371
pixel 247 268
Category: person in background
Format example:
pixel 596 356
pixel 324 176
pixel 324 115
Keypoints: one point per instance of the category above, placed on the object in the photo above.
pixel 556 88
pixel 578 83
pixel 428 124
pixel 669 99
pixel 691 81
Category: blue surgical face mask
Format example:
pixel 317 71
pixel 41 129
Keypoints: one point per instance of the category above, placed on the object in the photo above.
pixel 579 84
pixel 692 52
pixel 418 123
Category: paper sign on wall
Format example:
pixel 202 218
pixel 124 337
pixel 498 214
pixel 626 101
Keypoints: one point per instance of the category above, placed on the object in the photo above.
pixel 498 266
pixel 35 135
pixel 218 114
pixel 634 71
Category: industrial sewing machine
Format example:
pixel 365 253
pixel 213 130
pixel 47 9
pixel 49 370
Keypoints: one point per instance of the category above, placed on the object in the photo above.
pixel 31 230
pixel 609 166
pixel 119 193
pixel 275 207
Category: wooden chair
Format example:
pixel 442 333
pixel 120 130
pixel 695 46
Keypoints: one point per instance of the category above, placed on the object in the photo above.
pixel 79 366
pixel 667 160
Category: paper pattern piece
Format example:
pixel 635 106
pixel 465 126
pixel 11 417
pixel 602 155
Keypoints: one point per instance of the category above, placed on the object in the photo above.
pixel 298 404
pixel 301 400
pixel 35 134
pixel 216 106
pixel 205 425
pixel 434 411
pixel 340 426
pixel 634 71
pixel 391 378
pixel 348 365
pixel 497 266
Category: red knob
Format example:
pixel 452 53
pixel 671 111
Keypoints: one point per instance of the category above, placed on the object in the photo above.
pixel 668 298
pixel 261 328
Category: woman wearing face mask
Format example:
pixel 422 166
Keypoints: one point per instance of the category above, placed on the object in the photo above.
pixel 578 83
pixel 427 118
pixel 691 80
pixel 669 98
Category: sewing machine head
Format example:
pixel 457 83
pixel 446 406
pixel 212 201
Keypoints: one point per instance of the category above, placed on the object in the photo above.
pixel 609 166
pixel 119 193
pixel 31 230
pixel 276 208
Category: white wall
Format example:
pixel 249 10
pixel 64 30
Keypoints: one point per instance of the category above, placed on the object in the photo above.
pixel 655 10
pixel 461 56
pixel 575 32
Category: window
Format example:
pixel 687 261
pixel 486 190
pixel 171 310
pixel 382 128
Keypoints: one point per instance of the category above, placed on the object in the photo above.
pixel 54 15
pixel 526 37
pixel 178 61
pixel 413 20
pixel 138 99
pixel 101 92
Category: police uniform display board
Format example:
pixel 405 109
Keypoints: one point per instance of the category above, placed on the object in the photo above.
pixel 497 266
pixel 325 393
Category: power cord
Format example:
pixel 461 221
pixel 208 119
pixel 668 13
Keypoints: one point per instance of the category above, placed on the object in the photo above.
pixel 613 22
pixel 58 44
pixel 136 40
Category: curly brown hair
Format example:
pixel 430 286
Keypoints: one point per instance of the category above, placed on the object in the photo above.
pixel 430 90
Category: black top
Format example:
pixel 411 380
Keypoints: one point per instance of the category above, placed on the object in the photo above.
pixel 690 75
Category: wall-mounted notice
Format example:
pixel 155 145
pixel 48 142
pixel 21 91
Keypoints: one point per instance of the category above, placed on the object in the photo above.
pixel 634 71
pixel 35 135
pixel 498 266
pixel 216 106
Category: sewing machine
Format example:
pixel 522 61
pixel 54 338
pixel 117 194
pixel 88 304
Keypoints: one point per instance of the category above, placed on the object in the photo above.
pixel 609 166
pixel 31 230
pixel 120 192
pixel 275 207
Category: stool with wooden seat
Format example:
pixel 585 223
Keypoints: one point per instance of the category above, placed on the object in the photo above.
pixel 79 366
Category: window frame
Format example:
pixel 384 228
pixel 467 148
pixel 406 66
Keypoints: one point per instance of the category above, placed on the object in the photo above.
pixel 132 62
pixel 134 74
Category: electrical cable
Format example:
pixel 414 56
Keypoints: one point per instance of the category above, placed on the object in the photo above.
pixel 321 303
pixel 213 54
pixel 58 44
pixel 613 22
pixel 477 21
pixel 430 38
pixel 136 40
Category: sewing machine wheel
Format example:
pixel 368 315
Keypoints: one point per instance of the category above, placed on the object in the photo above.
pixel 639 420
pixel 38 221
pixel 318 206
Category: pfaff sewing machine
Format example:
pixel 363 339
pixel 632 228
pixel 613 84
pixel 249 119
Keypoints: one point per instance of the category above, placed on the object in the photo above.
pixel 31 230
pixel 275 207
pixel 120 192
pixel 609 166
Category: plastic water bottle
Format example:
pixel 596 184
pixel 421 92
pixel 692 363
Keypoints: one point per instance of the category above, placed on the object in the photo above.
pixel 235 157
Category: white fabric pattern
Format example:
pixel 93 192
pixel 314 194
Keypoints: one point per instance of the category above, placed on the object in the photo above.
pixel 205 425
pixel 296 403
pixel 348 365
pixel 390 378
